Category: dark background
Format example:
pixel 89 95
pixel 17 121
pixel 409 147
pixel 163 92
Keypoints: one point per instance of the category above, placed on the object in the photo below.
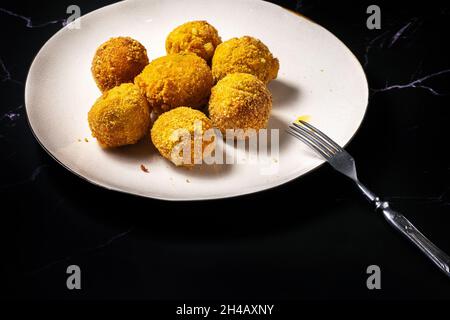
pixel 311 238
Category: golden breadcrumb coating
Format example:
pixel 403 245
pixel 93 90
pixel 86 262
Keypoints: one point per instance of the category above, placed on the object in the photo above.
pixel 118 61
pixel 198 37
pixel 165 136
pixel 246 55
pixel 181 79
pixel 120 116
pixel 240 101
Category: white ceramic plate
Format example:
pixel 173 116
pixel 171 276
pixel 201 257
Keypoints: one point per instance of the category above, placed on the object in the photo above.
pixel 318 76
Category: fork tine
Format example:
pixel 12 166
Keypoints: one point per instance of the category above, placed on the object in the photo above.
pixel 317 138
pixel 320 133
pixel 314 139
pixel 307 142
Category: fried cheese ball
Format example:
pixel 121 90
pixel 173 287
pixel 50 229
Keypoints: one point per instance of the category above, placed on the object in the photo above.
pixel 246 55
pixel 240 101
pixel 198 37
pixel 175 80
pixel 118 61
pixel 169 135
pixel 120 116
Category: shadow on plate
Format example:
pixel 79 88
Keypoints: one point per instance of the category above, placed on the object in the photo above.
pixel 204 170
pixel 140 151
pixel 283 92
pixel 277 123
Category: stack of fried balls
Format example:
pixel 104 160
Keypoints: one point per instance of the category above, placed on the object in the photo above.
pixel 200 73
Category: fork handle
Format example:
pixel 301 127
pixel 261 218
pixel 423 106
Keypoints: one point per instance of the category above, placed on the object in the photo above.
pixel 398 221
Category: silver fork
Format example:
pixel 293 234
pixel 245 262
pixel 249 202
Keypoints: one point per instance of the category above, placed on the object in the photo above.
pixel 344 163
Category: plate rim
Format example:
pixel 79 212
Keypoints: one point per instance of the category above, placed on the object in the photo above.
pixel 253 190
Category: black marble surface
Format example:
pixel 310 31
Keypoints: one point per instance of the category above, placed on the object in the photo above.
pixel 312 238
